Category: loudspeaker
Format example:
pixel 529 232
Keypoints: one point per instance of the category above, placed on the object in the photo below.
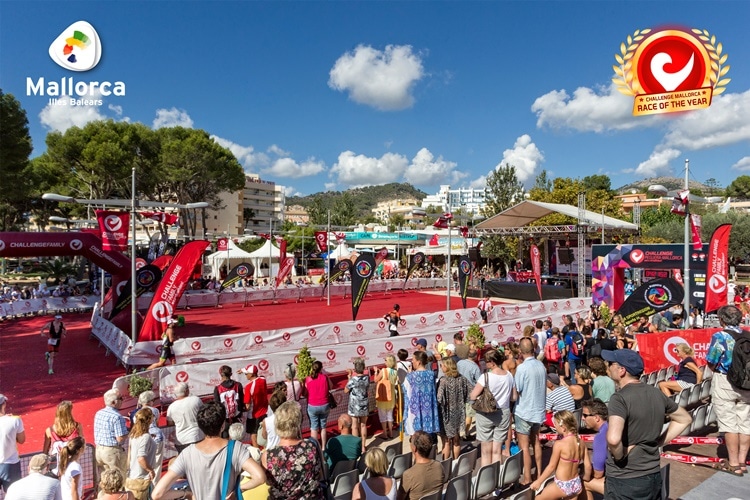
pixel 565 255
pixel 474 254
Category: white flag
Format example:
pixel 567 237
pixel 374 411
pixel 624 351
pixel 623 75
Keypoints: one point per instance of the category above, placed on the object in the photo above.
pixel 725 207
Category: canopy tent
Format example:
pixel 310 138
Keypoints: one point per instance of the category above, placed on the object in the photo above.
pixel 234 255
pixel 516 220
pixel 340 252
pixel 267 254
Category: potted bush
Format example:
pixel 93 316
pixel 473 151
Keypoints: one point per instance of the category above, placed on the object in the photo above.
pixel 304 363
pixel 138 385
pixel 475 335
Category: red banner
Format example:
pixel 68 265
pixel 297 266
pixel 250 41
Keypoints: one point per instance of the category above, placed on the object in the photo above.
pixel 170 290
pixel 380 256
pixel 114 230
pixel 282 247
pixel 536 266
pixel 321 239
pixel 657 349
pixel 286 267
pixel 696 222
pixel 717 268
pixel 443 221
pixel 168 219
pixel 222 244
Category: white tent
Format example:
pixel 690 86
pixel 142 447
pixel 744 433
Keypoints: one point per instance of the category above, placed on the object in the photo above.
pixel 267 252
pixel 341 252
pixel 234 255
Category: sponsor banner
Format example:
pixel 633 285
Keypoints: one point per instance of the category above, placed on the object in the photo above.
pixel 114 339
pixel 222 245
pixel 287 264
pixel 170 290
pixel 114 230
pixel 380 256
pixel 657 349
pixel 340 269
pixel 537 268
pixel 31 306
pixel 717 268
pixel 146 277
pixel 650 298
pixel 415 261
pixel 321 239
pixel 168 219
pixel 464 275
pixel 362 271
pixel 239 272
pixel 696 222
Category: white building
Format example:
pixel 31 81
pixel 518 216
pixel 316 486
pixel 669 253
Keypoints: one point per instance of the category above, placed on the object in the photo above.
pixel 412 213
pixel 447 199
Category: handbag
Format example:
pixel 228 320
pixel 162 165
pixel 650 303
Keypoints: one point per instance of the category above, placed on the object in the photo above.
pixel 228 474
pixel 332 403
pixel 486 402
pixel 139 487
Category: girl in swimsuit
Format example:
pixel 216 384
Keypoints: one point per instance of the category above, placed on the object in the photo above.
pixel 568 453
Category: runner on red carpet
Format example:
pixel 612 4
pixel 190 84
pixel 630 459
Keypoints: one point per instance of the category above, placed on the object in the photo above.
pixel 167 341
pixel 393 318
pixel 54 331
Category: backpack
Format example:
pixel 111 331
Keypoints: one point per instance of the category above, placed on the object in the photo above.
pixel 551 350
pixel 229 397
pixel 739 371
pixel 577 344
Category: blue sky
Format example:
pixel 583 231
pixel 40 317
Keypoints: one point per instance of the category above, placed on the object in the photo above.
pixel 331 95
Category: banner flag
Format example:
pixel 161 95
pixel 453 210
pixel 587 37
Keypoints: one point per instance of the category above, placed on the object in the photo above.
pixel 443 221
pixel 341 267
pixel 695 225
pixel 321 239
pixel 146 277
pixel 282 247
pixel 286 267
pixel 433 241
pixel 168 219
pixel 677 275
pixel 380 256
pixel 114 230
pixel 222 245
pixel 536 266
pixel 239 272
pixel 650 298
pixel 170 289
pixel 657 349
pixel 362 272
pixel 717 268
pixel 162 261
pixel 415 261
pixel 464 276
pixel 680 203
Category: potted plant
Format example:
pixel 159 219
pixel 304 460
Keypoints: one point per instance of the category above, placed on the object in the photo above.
pixel 304 363
pixel 606 315
pixel 475 336
pixel 138 385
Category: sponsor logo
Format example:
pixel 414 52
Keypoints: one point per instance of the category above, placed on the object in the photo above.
pixel 542 307
pixel 360 327
pixel 389 346
pixel 657 296
pixel 84 300
pixel 518 325
pixel 554 306
pixel 77 48
pixel 502 311
pixel 196 346
pixel 381 324
pixel 441 318
pixel 286 336
pixel 567 304
pixel 331 354
pixel 296 359
pixel 161 311
pixel 76 244
pixel 2 245
pixel 465 267
pixel 414 341
pixel 361 350
pixel 717 283
pixel 258 339
pixel 418 259
pixel 422 320
pixel 312 333
pixel 530 307
pixel 458 315
pixel 146 278
pixel 517 309
pixel 336 329
pixel 473 314
pixel 438 338
pixel 636 256
pixel 228 343
pixel 669 347
pixel 182 376
pixel 402 322
pixel 158 349
pixel 364 269
pixel 242 271
pixel 113 223
pixel 263 364
pixel 500 328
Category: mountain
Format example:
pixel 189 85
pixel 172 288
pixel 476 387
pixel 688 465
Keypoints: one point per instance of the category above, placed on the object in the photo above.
pixel 672 184
pixel 364 198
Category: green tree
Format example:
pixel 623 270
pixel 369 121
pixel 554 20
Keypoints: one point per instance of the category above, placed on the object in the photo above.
pixel 503 191
pixel 597 183
pixel 15 149
pixel 343 213
pixel 739 188
pixel 543 182
pixel 713 187
pixel 397 221
pixel 58 270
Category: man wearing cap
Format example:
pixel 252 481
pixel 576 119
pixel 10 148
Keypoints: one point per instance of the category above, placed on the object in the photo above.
pixel 256 401
pixel 634 436
pixel 12 434
pixel 37 485
pixel 54 331
pixel 109 434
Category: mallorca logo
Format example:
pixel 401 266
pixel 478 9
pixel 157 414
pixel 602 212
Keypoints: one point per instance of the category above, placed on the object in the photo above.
pixel 670 70
pixel 658 296
pixel 364 269
pixel 77 48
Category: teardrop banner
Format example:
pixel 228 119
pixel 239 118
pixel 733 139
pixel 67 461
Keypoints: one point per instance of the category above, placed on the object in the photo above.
pixel 361 272
pixel 650 298
pixel 415 261
pixel 239 272
pixel 464 275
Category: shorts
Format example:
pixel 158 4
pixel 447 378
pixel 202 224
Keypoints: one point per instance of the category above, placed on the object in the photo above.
pixel 9 473
pixel 53 348
pixel 646 487
pixel 493 427
pixel 385 415
pixel 524 427
pixel 470 411
pixel 732 407
pixel 318 416
pixel 483 314
pixel 166 353
pixel 684 385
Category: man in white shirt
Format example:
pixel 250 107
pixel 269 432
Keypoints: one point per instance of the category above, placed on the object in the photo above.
pixel 37 485
pixel 12 434
pixel 183 414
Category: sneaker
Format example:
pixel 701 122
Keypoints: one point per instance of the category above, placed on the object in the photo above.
pixel 46 356
pixel 50 372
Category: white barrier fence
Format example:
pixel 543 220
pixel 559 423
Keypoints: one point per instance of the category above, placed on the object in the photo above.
pixel 47 304
pixel 335 345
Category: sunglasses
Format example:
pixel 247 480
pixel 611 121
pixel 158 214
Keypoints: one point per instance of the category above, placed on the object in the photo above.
pixel 584 415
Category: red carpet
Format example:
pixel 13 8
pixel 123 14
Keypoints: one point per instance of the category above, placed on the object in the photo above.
pixel 83 374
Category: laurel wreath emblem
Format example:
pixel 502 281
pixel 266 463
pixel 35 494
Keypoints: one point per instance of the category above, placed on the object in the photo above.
pixel 623 69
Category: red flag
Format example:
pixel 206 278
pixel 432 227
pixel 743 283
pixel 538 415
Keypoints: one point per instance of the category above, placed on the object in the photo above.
pixel 680 203
pixel 286 267
pixel 282 247
pixel 340 237
pixel 380 256
pixel 168 219
pixel 443 221
pixel 114 230
pixel 695 224
pixel 433 241
pixel 162 261
pixel 677 275
pixel 536 266
pixel 170 290
pixel 717 268
pixel 222 244
pixel 321 239
pixel 464 230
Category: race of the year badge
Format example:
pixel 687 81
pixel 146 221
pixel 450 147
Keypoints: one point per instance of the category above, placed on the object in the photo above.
pixel 671 70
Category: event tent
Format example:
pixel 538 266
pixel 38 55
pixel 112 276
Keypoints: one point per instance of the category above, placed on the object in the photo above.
pixel 341 252
pixel 269 254
pixel 234 254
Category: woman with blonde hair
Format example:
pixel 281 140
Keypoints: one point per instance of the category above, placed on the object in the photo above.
pixel 71 480
pixel 378 486
pixel 111 486
pixel 568 453
pixel 61 431
pixel 141 455
pixel 688 373
pixel 452 395
pixel 385 395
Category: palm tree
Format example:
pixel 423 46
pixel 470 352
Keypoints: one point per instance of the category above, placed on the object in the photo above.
pixel 58 270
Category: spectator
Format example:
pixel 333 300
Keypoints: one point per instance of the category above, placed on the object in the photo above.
pixel 403 366
pixel 452 395
pixel 146 400
pixel 293 468
pixel 62 430
pixel 109 435
pixel 426 475
pixel 229 393
pixel 385 397
pixel 256 401
pixel 468 369
pixel 530 382
pixel 574 348
pixel 317 385
pixel 344 446
pixel 183 414
pixel 558 398
pixel 582 390
pixel 293 386
pixel 359 402
pixel 602 387
pixel 37 485
pixel 237 433
pixel 568 453
pixel 377 486
pixel 111 486
pixel 203 463
pixel 420 400
pixel 732 405
pixel 636 416
pixel 595 415
pixel 492 428
pixel 688 373
pixel 268 436
pixel 141 455
pixel 71 480
pixel 462 350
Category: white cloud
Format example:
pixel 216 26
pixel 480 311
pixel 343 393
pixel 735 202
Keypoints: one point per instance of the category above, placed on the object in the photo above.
pixel 246 155
pixel 743 164
pixel 172 118
pixel 381 79
pixel 658 163
pixel 330 186
pixel 291 191
pixel 359 170
pixel 60 117
pixel 287 167
pixel 425 170
pixel 525 156
pixel 274 149
pixel 479 183
pixel 115 109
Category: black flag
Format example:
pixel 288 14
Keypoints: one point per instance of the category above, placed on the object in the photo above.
pixel 650 298
pixel 240 271
pixel 464 275
pixel 341 267
pixel 146 277
pixel 362 271
pixel 415 261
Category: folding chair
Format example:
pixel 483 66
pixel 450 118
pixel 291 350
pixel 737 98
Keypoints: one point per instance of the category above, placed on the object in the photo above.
pixel 465 463
pixel 447 465
pixel 527 494
pixel 399 465
pixel 510 472
pixel 459 488
pixel 485 481
pixel 343 466
pixel 705 390
pixel 435 495
pixel 344 483
pixel 392 450
pixel 665 482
